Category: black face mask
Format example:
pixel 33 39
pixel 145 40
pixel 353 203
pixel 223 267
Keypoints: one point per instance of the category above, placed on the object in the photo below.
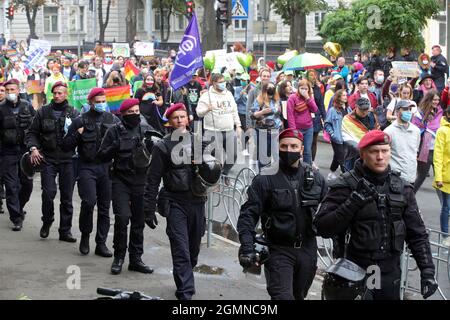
pixel 289 158
pixel 153 68
pixel 271 91
pixel 132 120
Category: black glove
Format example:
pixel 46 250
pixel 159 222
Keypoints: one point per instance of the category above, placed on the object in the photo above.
pixel 364 193
pixel 428 287
pixel 247 260
pixel 151 220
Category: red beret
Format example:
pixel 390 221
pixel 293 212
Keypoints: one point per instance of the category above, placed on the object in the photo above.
pixel 291 133
pixel 374 137
pixel 128 103
pixel 96 92
pixel 173 108
pixel 271 65
pixel 59 84
pixel 12 81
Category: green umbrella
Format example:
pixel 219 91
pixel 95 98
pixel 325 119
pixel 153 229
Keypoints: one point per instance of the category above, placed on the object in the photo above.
pixel 307 61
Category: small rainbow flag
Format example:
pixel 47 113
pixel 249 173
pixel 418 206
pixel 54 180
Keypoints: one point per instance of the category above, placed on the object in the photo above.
pixel 115 96
pixel 130 70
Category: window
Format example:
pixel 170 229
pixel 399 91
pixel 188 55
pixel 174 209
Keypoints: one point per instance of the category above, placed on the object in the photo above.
pixel 140 17
pixel 240 24
pixel 158 20
pixel 180 22
pixel 51 19
pixel 442 33
pixel 318 18
pixel 76 19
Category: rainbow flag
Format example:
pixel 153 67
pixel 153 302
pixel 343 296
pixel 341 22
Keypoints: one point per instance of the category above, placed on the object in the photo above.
pixel 130 70
pixel 353 129
pixel 115 96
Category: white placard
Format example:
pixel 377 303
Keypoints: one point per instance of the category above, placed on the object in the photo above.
pixel 121 49
pixel 144 49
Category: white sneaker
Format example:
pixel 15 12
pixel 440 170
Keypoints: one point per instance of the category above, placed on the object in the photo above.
pixel 332 176
pixel 446 242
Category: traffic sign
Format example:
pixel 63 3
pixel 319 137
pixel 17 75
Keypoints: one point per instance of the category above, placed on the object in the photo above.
pixel 239 9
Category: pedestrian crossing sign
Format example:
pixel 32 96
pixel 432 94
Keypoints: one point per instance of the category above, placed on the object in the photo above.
pixel 239 9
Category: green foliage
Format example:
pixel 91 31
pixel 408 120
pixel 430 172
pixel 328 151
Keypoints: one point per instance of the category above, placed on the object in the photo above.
pixel 287 8
pixel 380 24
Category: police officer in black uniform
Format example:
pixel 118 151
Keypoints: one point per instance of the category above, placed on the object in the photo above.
pixel 15 118
pixel 94 183
pixel 285 202
pixel 178 200
pixel 124 143
pixel 377 209
pixel 2 189
pixel 44 140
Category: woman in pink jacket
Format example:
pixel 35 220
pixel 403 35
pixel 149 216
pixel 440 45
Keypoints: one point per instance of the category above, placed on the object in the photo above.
pixel 301 108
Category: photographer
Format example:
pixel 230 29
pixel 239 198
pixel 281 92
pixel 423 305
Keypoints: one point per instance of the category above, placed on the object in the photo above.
pixel 379 211
pixel 285 202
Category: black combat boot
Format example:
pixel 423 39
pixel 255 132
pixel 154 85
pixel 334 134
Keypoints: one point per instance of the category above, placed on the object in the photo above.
pixel 84 244
pixel 116 267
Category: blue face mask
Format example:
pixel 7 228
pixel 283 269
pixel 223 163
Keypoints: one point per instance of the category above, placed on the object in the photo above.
pixel 108 60
pixel 372 89
pixel 101 107
pixel 406 116
pixel 222 86
pixel 243 83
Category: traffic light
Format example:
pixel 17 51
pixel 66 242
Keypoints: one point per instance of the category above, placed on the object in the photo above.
pixel 10 13
pixel 223 12
pixel 190 8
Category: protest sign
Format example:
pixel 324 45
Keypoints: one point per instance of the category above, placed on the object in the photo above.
pixel 406 68
pixel 144 48
pixel 43 44
pixel 121 49
pixel 34 86
pixel 79 90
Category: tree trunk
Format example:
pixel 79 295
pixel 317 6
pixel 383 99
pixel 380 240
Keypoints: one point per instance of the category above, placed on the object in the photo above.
pixel 297 36
pixel 131 20
pixel 167 36
pixel 31 18
pixel 212 32
pixel 103 25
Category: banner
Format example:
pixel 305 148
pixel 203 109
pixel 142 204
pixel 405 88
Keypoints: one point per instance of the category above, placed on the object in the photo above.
pixel 43 44
pixel 115 97
pixel 34 86
pixel 189 57
pixel 79 90
pixel 121 49
pixel 36 58
pixel 406 69
pixel 144 49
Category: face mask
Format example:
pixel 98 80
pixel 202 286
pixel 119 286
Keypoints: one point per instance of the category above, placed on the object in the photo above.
pixel 372 89
pixel 356 58
pixel 11 97
pixel 132 120
pixel 289 158
pixel 394 88
pixel 101 107
pixel 144 71
pixel 221 86
pixel 238 77
pixel 150 83
pixel 271 91
pixel 243 83
pixel 406 116
pixel 107 60
pixel 380 79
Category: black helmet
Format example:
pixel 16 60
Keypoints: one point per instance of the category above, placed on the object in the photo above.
pixel 207 174
pixel 28 169
pixel 344 280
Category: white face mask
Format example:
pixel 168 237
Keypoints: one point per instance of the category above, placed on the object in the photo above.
pixel 11 97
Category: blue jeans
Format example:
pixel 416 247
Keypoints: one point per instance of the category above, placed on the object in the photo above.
pixel 445 211
pixel 307 143
pixel 264 152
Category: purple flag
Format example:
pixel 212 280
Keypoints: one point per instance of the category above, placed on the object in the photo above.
pixel 189 57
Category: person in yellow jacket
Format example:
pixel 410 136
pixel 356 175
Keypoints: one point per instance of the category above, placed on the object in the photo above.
pixel 442 170
pixel 55 77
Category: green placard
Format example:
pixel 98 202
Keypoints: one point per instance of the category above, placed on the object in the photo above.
pixel 79 90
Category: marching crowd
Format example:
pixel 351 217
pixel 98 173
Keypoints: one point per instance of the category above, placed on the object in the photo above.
pixel 106 155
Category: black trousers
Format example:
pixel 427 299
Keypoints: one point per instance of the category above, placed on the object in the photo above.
pixel 338 157
pixel 18 188
pixel 94 187
pixel 422 171
pixel 64 171
pixel 389 285
pixel 185 228
pixel 128 207
pixel 290 272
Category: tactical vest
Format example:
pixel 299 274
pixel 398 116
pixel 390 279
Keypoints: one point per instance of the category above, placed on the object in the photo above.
pixel 93 134
pixel 14 126
pixel 178 177
pixel 287 218
pixel 128 146
pixel 378 229
pixel 52 129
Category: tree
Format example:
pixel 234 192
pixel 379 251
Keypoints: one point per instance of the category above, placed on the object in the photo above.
pixel 293 13
pixel 381 24
pixel 166 8
pixel 211 29
pixel 31 7
pixel 103 23
pixel 131 20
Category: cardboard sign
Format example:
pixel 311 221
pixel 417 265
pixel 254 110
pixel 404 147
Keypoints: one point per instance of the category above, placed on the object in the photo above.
pixel 121 49
pixel 144 49
pixel 43 44
pixel 406 69
pixel 34 86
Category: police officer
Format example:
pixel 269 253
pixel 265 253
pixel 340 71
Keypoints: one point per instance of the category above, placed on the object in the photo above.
pixel 378 211
pixel 285 203
pixel 94 184
pixel 2 188
pixel 123 143
pixel 44 140
pixel 184 210
pixel 15 118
